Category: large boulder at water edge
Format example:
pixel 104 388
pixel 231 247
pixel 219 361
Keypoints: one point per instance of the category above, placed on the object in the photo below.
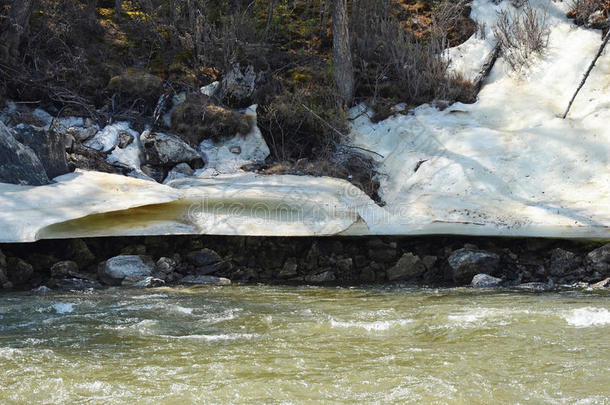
pixel 599 260
pixel 408 267
pixel 119 268
pixel 168 151
pixel 485 281
pixel 464 264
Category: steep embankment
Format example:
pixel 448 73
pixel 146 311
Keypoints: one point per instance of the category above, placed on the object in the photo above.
pixel 507 165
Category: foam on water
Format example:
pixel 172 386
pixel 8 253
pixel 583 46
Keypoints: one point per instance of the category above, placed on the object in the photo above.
pixel 63 307
pixel 371 326
pixel 587 317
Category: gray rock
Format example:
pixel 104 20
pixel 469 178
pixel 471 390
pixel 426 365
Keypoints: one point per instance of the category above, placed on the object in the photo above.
pixel 3 276
pixel 166 265
pixel 203 257
pixel 20 165
pixel 536 286
pixel 181 171
pixel 42 290
pixel 64 269
pixel 323 277
pixel 78 251
pixel 125 139
pixel 290 269
pixel 239 84
pixel 464 264
pixel 18 270
pixel 76 284
pixel 148 282
pixel 206 280
pixel 155 173
pixel 599 260
pixel 485 281
pixel 85 158
pixel 116 269
pixel 168 151
pixel 563 262
pixel 211 268
pixel 408 267
pixel 49 146
pixel 82 134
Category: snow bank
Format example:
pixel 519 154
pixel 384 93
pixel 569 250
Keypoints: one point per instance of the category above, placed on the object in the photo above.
pixel 505 166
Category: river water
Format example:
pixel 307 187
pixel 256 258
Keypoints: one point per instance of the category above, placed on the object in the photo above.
pixel 266 344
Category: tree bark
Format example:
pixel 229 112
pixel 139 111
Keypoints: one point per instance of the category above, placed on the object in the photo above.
pixel 584 79
pixel 15 27
pixel 342 55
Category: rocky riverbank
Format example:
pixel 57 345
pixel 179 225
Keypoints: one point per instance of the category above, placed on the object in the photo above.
pixel 531 264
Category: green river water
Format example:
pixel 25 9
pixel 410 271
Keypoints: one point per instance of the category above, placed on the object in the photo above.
pixel 280 345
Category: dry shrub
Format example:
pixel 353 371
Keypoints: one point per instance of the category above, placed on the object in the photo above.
pixel 394 63
pixel 304 123
pixel 197 119
pixel 582 10
pixel 521 34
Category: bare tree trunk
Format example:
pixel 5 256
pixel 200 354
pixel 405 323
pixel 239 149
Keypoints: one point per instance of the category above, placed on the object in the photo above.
pixel 342 54
pixel 118 8
pixel 14 29
pixel 584 79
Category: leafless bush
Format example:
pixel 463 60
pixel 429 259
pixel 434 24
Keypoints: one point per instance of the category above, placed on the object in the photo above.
pixel 393 62
pixel 521 34
pixel 582 10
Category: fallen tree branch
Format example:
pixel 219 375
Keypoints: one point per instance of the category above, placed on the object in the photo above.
pixel 486 69
pixel 584 79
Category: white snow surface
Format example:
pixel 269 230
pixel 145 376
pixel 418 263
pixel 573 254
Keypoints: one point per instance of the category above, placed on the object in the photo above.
pixel 506 166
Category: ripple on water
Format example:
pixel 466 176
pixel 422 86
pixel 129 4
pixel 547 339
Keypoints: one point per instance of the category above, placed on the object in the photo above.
pixel 370 326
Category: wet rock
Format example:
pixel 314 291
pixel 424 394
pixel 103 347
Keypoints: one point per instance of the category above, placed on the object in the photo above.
pixel 64 269
pixel 205 280
pixel 155 173
pixel 485 281
pixel 323 277
pixel 48 145
pixel 599 260
pixel 20 165
pixel 42 290
pixel 78 251
pixel 148 282
pixel 76 284
pixel 203 257
pixel 212 268
pixel 536 286
pixel 464 264
pixel 3 276
pixel 563 262
pixel 168 151
pixel 605 283
pixel 290 269
pixel 118 268
pixel 19 271
pixel 408 267
pixel 165 265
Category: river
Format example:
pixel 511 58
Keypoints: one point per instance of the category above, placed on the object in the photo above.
pixel 268 344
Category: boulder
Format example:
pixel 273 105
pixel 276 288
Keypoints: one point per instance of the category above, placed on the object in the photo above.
pixel 203 257
pixel 19 271
pixel 20 165
pixel 599 260
pixel 323 277
pixel 64 269
pixel 464 264
pixel 76 284
pixel 165 265
pixel 116 269
pixel 85 158
pixel 563 262
pixel 3 276
pixel 168 151
pixel 205 280
pixel 78 251
pixel 408 267
pixel 48 145
pixel 290 269
pixel 211 268
pixel 181 171
pixel 485 281
pixel 240 83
